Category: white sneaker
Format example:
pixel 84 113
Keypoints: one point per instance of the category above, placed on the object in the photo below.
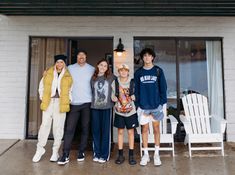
pixel 157 161
pixel 144 160
pixel 96 159
pixel 54 157
pixel 101 160
pixel 37 156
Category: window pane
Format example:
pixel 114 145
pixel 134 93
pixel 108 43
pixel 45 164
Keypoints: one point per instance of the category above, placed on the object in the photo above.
pixel 165 58
pixel 192 67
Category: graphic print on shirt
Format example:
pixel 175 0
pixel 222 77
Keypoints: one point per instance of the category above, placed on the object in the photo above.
pixel 124 101
pixel 148 79
pixel 101 93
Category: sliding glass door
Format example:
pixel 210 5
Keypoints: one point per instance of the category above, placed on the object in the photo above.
pixel 191 65
pixel 165 58
pixel 42 52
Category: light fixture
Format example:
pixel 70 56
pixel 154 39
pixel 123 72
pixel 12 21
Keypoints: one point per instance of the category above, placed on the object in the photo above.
pixel 120 48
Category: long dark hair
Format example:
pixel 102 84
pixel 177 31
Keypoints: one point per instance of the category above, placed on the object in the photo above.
pixel 108 72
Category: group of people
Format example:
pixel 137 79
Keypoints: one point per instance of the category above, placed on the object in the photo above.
pixel 82 92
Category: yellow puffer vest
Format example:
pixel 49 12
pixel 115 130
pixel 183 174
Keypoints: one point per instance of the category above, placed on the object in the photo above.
pixel 65 85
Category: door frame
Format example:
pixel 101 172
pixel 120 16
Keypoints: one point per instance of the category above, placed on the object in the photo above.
pixel 27 136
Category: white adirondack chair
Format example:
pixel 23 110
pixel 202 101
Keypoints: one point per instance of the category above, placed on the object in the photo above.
pixel 165 137
pixel 197 124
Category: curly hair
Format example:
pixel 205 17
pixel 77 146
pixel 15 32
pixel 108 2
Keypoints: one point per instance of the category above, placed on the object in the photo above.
pixel 108 72
pixel 149 51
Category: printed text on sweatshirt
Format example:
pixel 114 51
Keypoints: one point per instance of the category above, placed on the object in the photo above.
pixel 150 88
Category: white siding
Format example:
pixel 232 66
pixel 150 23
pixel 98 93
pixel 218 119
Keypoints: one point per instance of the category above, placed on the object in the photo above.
pixel 14 47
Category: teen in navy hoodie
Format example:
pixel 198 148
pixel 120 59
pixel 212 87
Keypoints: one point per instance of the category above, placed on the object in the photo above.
pixel 150 93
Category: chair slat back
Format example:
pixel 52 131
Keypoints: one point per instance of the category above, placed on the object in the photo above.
pixel 196 110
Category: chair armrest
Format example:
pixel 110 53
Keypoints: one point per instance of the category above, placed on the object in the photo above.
pixel 187 124
pixel 174 123
pixel 220 123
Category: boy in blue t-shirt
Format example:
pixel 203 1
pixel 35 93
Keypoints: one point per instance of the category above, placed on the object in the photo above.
pixel 150 93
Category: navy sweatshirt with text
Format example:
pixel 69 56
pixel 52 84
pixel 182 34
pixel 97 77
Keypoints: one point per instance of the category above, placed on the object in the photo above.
pixel 150 92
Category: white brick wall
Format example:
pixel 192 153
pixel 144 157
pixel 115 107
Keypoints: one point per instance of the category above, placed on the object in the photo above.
pixel 14 42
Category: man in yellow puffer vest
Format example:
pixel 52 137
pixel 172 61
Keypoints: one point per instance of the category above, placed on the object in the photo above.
pixel 55 94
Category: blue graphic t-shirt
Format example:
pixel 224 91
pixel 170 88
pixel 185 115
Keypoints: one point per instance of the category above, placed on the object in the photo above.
pixel 150 88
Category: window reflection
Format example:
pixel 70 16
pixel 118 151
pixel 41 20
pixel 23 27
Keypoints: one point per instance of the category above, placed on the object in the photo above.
pixel 190 66
pixel 165 58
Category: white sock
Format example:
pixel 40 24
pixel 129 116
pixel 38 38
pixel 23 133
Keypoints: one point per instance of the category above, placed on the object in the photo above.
pixel 156 150
pixel 146 151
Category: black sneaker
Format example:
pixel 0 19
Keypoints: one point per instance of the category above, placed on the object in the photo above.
pixel 120 159
pixel 132 161
pixel 64 159
pixel 81 157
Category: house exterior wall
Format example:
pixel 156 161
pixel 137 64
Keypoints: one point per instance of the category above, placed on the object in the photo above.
pixel 14 53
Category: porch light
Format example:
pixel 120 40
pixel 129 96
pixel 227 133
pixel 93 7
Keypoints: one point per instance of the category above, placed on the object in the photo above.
pixel 120 48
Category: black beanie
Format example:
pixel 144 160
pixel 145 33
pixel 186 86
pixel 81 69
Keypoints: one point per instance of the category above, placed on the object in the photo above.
pixel 60 57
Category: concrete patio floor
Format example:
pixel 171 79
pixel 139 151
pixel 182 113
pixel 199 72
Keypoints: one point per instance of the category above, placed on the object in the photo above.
pixel 17 161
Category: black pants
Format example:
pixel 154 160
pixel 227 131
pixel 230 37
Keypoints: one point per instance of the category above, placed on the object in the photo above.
pixel 77 112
